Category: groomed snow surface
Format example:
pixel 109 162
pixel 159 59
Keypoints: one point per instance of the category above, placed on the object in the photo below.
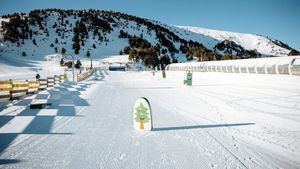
pixel 260 43
pixel 222 121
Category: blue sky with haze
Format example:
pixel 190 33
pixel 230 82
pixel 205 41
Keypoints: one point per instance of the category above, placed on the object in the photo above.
pixel 279 19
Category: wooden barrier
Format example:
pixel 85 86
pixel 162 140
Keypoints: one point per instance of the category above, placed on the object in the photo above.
pixel 5 88
pixel 43 84
pixel 19 89
pixel 33 87
pixel 84 75
pixel 50 81
pixel 56 79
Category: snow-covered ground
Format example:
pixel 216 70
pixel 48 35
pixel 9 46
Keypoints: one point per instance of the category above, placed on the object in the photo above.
pixel 260 43
pixel 16 68
pixel 116 59
pixel 222 121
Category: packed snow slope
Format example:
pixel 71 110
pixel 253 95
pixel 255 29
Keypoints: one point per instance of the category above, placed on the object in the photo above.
pixel 222 121
pixel 261 44
pixel 17 68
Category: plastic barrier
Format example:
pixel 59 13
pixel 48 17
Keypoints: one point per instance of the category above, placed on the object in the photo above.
pixel 15 89
pixel 62 78
pixel 84 75
pixel 295 67
pixel 19 89
pixel 43 84
pixel 56 79
pixel 270 65
pixel 5 88
pixel 33 87
pixel 50 81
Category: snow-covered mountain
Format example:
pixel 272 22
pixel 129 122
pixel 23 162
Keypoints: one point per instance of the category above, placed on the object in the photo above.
pixel 261 44
pixel 98 33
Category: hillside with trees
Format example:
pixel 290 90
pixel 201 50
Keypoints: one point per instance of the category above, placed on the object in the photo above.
pixel 99 33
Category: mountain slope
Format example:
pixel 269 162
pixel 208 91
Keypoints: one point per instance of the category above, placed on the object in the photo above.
pixel 261 44
pixel 98 33
pixel 101 28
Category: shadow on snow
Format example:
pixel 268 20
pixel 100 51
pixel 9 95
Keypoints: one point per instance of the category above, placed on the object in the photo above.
pixel 63 102
pixel 200 126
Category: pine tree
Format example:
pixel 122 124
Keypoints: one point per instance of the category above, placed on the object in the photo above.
pixel 78 64
pixel 126 50
pixel 56 40
pixel 69 64
pixel 30 34
pixel 293 52
pixel 164 60
pixel 63 51
pixel 24 53
pixel 94 46
pixel 76 51
pixel 34 42
pixel 88 54
pixel 62 62
pixel 47 32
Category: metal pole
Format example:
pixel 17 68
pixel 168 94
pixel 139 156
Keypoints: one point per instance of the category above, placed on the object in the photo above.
pixel 91 63
pixel 73 67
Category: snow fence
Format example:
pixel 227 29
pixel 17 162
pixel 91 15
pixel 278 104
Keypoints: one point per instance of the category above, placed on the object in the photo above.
pixel 271 65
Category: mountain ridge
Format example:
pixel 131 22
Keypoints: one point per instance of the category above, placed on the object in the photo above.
pixel 101 33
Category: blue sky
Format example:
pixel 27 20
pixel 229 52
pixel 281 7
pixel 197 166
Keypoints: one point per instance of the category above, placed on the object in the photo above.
pixel 279 19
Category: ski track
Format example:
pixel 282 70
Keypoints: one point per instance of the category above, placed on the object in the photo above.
pixel 101 134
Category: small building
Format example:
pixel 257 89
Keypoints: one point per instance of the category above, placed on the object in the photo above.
pixel 117 67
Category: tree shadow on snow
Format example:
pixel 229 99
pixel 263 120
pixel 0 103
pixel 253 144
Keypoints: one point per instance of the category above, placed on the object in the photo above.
pixel 200 126
pixel 63 103
pixel 19 62
pixel 8 161
pixel 150 88
pixel 98 76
